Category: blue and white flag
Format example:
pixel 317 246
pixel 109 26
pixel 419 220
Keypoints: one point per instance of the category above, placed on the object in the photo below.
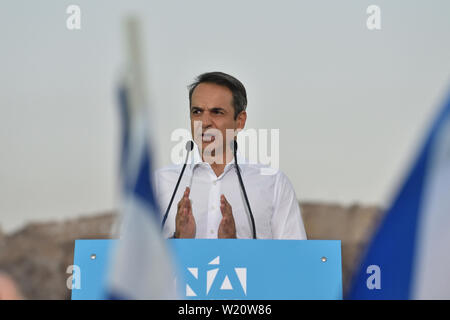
pixel 409 257
pixel 141 265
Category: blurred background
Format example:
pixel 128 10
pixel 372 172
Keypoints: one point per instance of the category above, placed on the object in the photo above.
pixel 352 106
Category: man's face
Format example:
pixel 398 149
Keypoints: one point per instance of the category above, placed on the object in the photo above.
pixel 212 112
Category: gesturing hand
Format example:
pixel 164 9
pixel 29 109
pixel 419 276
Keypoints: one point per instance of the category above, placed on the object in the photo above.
pixel 227 228
pixel 184 221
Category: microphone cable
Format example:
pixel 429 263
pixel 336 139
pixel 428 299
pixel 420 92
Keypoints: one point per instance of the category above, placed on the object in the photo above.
pixel 243 188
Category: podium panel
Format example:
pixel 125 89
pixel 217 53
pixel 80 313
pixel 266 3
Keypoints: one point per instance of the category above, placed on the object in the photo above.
pixel 231 268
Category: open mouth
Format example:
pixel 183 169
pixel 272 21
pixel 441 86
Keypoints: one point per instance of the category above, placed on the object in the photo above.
pixel 208 137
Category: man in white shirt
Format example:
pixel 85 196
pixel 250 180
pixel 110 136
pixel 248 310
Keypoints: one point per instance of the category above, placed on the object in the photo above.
pixel 211 201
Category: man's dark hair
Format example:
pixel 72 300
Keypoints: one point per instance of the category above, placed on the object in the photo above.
pixel 223 79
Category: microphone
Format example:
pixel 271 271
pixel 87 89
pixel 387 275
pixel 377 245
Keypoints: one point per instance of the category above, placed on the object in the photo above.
pixel 234 148
pixel 189 147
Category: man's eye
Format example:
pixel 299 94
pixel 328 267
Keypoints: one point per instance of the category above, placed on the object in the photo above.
pixel 195 111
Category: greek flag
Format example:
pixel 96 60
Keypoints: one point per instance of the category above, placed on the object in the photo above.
pixel 409 257
pixel 141 264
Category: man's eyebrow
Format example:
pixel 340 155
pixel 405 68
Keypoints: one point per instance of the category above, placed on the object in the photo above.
pixel 217 108
pixel 212 109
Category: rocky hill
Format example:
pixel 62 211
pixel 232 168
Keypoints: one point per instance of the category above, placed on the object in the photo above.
pixel 38 255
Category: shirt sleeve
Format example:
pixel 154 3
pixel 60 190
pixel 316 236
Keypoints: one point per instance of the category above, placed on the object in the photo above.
pixel 287 222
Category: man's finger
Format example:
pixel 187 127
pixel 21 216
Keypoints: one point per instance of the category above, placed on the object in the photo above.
pixel 186 194
pixel 225 201
pixel 184 197
pixel 225 207
pixel 183 216
pixel 189 206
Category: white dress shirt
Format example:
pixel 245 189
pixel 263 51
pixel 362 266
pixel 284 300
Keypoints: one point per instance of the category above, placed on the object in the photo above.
pixel 272 199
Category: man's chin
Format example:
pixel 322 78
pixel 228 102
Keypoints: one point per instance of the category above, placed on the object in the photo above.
pixel 202 144
pixel 210 149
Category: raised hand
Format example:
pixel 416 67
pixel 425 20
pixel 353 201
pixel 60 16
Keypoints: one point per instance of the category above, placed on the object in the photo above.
pixel 184 222
pixel 227 228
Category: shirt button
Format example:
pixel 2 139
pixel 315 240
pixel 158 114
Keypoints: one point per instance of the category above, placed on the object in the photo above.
pixel 215 182
pixel 213 208
pixel 211 231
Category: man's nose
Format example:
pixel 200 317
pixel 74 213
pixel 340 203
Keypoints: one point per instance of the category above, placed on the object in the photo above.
pixel 206 120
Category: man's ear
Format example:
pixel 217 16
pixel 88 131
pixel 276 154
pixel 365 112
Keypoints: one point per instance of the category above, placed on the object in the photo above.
pixel 241 119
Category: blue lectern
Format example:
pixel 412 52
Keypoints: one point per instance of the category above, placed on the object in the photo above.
pixel 231 268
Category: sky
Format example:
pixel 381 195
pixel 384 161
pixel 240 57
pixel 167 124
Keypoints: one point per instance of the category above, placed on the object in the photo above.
pixel 351 104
